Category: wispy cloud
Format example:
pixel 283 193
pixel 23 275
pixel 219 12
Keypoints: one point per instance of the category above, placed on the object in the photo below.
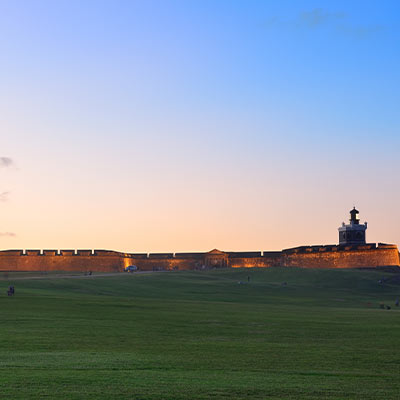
pixel 360 32
pixel 6 162
pixel 4 196
pixel 8 234
pixel 318 18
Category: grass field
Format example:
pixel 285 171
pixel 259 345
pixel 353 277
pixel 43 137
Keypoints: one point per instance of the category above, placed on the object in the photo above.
pixel 202 335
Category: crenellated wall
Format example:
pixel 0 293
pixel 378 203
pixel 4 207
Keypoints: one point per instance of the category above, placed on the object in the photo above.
pixel 333 256
pixel 64 260
pixel 363 256
pixel 161 261
pixel 255 260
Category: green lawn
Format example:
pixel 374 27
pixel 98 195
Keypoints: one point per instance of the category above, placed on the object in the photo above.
pixel 202 335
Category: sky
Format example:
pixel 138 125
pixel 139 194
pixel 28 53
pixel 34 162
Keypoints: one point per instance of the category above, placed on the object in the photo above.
pixel 167 126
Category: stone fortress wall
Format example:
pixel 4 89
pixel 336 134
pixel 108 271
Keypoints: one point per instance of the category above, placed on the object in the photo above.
pixel 355 256
pixel 63 260
pixel 333 256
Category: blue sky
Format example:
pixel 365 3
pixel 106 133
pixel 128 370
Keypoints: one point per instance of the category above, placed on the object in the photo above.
pixel 187 125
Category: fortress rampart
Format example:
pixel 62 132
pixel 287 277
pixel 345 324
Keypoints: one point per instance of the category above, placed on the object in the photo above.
pixel 64 260
pixel 356 256
pixel 333 256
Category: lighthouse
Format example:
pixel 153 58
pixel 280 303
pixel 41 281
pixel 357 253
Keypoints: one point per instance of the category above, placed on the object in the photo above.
pixel 354 232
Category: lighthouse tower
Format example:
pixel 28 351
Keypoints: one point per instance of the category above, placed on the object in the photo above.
pixel 354 232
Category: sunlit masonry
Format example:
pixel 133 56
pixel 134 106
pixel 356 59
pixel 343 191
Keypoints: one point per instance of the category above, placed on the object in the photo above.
pixel 352 252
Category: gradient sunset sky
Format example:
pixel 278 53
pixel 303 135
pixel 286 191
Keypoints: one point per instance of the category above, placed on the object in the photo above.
pixel 148 126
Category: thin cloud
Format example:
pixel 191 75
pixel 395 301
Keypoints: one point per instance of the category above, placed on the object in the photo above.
pixel 8 234
pixel 360 32
pixel 319 18
pixel 4 196
pixel 6 162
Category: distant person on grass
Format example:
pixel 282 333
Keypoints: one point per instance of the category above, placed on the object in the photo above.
pixel 10 291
